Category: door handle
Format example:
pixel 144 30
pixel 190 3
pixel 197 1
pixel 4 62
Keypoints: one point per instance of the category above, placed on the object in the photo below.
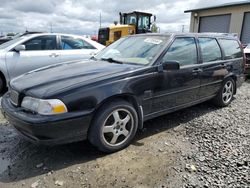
pixel 197 70
pixel 222 65
pixel 54 55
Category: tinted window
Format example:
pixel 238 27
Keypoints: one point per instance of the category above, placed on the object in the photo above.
pixel 210 49
pixel 71 43
pixel 182 50
pixel 41 43
pixel 231 48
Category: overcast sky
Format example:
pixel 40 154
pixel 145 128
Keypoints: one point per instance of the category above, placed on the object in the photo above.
pixel 82 16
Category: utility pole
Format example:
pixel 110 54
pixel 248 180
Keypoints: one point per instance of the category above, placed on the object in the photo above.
pixel 51 30
pixel 182 28
pixel 100 19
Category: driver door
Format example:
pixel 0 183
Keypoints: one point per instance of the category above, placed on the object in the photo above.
pixel 177 88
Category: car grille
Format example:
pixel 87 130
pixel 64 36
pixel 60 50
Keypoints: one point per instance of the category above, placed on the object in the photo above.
pixel 14 97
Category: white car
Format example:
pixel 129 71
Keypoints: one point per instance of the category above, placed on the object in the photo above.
pixel 30 52
pixel 247 53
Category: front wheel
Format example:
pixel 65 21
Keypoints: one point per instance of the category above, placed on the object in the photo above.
pixel 2 86
pixel 225 95
pixel 114 126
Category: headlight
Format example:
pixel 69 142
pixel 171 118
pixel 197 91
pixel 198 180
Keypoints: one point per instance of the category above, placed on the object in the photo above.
pixel 44 107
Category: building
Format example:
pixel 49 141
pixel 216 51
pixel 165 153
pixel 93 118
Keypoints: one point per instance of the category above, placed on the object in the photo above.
pixel 225 18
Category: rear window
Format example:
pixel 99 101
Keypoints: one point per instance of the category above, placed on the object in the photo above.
pixel 210 49
pixel 73 43
pixel 231 48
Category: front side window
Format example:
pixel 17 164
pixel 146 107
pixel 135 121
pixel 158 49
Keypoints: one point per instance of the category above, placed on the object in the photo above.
pixel 210 49
pixel 41 43
pixel 182 50
pixel 130 19
pixel 231 48
pixel 72 43
pixel 143 22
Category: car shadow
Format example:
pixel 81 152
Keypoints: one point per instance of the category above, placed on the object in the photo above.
pixel 25 158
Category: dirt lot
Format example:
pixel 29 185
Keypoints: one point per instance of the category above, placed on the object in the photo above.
pixel 202 146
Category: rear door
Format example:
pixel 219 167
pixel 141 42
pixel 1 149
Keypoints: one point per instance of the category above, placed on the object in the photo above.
pixel 40 51
pixel 218 62
pixel 74 48
pixel 177 88
pixel 214 68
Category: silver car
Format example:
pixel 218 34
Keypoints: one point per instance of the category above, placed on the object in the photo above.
pixel 30 52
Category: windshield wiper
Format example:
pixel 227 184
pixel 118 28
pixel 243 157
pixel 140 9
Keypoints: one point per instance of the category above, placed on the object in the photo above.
pixel 111 60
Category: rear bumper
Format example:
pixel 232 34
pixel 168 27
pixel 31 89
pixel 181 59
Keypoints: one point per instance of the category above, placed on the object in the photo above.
pixel 247 71
pixel 58 129
pixel 240 80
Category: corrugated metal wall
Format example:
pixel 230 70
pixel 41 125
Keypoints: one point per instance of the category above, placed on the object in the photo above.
pixel 219 23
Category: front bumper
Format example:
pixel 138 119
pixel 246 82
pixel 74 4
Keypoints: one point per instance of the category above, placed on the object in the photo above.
pixel 54 129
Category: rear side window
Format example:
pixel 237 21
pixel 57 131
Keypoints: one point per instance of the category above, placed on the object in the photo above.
pixel 41 43
pixel 231 48
pixel 71 43
pixel 210 49
pixel 182 50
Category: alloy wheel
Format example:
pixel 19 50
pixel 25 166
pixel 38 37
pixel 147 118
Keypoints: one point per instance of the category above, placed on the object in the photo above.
pixel 118 127
pixel 227 92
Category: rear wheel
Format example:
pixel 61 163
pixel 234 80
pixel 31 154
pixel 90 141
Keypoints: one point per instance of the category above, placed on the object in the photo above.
pixel 225 95
pixel 114 126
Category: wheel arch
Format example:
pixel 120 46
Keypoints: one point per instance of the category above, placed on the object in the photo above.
pixel 126 97
pixel 2 76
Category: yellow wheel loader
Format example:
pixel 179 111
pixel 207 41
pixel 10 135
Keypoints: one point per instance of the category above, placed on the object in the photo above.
pixel 130 23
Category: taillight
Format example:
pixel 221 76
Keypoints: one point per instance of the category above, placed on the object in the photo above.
pixel 244 58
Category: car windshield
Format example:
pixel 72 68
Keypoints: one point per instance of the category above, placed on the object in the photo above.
pixel 9 43
pixel 134 50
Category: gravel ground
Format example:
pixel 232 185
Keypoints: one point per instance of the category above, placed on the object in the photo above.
pixel 201 146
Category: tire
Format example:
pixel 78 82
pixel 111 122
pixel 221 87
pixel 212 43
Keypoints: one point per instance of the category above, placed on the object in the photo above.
pixel 114 126
pixel 2 86
pixel 225 94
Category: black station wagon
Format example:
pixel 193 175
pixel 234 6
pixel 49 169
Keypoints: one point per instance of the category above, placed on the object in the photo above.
pixel 107 99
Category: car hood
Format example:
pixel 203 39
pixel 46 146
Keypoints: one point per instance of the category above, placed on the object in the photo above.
pixel 48 80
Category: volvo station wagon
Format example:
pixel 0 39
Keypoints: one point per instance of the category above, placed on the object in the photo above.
pixel 137 78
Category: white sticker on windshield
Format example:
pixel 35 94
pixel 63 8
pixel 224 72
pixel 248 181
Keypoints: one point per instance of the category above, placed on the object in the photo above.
pixel 153 41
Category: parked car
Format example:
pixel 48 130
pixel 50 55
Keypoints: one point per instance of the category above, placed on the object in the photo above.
pixel 4 39
pixel 8 38
pixel 135 79
pixel 30 52
pixel 247 53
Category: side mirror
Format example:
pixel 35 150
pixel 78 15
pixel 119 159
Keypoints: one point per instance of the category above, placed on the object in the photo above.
pixel 169 65
pixel 19 48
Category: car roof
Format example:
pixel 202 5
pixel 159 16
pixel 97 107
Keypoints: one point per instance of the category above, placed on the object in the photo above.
pixel 42 34
pixel 215 35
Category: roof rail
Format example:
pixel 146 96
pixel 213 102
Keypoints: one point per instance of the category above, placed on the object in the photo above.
pixel 224 34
